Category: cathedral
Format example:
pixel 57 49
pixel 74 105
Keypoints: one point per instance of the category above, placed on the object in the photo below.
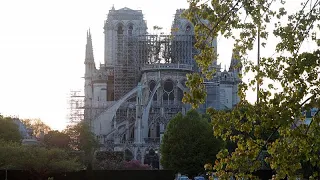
pixel 131 97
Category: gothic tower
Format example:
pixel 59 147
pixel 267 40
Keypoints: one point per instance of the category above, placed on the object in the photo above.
pixel 90 69
pixel 119 24
pixel 122 29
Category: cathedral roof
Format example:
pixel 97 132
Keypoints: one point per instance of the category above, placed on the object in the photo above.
pixel 125 9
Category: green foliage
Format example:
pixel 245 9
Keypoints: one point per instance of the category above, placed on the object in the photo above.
pixel 38 160
pixel 82 139
pixel 9 131
pixel 107 160
pixel 188 143
pixel 56 139
pixel 274 124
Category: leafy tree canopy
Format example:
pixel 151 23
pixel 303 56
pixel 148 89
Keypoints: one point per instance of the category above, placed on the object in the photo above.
pixel 38 160
pixel 82 139
pixel 108 160
pixel 288 83
pixel 56 139
pixel 9 131
pixel 188 143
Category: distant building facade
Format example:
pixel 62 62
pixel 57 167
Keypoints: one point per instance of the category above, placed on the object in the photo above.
pixel 26 133
pixel 130 99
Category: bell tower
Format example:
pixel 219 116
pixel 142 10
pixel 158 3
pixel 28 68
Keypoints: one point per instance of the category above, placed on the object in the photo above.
pixel 121 23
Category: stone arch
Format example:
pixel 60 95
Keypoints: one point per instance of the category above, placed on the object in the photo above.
pixel 188 28
pixel 107 117
pixel 146 110
pixel 130 28
pixel 119 28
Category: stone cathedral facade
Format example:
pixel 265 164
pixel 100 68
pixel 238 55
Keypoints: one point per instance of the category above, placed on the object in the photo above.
pixel 130 98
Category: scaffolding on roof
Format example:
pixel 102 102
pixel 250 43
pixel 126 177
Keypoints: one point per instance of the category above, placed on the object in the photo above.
pixel 135 52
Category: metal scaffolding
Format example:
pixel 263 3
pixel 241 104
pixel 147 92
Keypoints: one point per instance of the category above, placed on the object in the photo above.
pixel 126 67
pixel 76 106
pixel 165 49
pixel 133 53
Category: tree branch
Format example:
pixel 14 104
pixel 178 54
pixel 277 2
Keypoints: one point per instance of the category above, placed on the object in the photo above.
pixel 267 141
pixel 307 100
pixel 298 23
pixel 223 18
pixel 310 25
pixel 312 121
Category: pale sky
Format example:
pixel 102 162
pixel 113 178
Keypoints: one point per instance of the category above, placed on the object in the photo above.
pixel 42 50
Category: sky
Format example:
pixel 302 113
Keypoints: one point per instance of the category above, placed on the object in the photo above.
pixel 42 50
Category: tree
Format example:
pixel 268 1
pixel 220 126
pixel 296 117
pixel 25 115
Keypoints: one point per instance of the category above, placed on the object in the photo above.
pixel 37 126
pixel 39 161
pixel 273 129
pixel 82 139
pixel 188 143
pixel 56 139
pixel 108 160
pixel 9 131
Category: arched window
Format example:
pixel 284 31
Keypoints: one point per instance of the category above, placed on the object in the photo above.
pixel 120 30
pixel 188 28
pixel 130 29
pixel 168 91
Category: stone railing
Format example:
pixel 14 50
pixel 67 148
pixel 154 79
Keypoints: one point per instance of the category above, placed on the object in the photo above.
pixel 178 66
pixel 152 140
pixel 128 141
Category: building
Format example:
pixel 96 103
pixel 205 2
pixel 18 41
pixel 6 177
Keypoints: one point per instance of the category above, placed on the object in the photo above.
pixel 26 133
pixel 130 99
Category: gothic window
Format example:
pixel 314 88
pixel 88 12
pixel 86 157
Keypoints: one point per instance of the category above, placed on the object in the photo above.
pixel 168 85
pixel 132 134
pixel 152 85
pixel 154 130
pixel 168 92
pixel 130 29
pixel 120 30
pixel 188 28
